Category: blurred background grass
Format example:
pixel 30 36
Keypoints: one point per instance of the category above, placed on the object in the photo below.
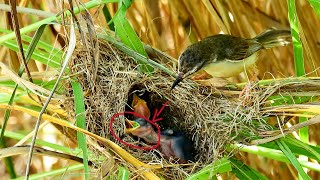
pixel 170 26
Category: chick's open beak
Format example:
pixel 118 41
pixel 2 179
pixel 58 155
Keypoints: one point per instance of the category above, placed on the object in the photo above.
pixel 178 80
pixel 132 126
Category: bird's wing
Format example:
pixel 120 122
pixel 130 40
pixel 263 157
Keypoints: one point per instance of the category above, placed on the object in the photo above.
pixel 182 148
pixel 240 49
pixel 178 149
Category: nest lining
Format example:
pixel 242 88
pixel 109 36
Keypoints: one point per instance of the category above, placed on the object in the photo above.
pixel 210 121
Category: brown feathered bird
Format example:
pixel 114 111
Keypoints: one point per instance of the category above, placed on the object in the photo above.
pixel 225 56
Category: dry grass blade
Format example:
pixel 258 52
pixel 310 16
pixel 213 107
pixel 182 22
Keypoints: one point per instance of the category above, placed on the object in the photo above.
pixel 279 134
pixel 223 25
pixel 16 28
pixel 26 84
pixel 94 45
pixel 26 138
pixel 313 108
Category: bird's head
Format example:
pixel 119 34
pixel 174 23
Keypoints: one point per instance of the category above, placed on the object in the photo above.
pixel 140 106
pixel 139 127
pixel 189 62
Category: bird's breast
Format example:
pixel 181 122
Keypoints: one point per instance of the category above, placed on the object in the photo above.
pixel 227 68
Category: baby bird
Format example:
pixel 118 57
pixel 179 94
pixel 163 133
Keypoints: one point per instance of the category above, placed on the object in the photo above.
pixel 140 106
pixel 172 144
pixel 225 56
pixel 176 144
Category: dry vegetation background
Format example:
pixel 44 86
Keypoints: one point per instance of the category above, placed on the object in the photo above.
pixel 172 25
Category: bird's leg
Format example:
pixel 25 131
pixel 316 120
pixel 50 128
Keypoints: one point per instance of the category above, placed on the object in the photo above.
pixel 201 75
pixel 215 81
pixel 245 91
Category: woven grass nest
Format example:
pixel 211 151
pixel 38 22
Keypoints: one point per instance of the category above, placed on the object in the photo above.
pixel 211 121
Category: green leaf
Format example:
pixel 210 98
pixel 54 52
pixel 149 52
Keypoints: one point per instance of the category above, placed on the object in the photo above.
pixel 81 123
pixel 242 171
pixel 315 4
pixel 220 166
pixel 297 150
pixel 108 17
pixel 273 153
pixel 298 58
pixel 41 56
pixel 297 45
pixel 45 46
pixel 123 173
pixel 304 147
pixel 291 157
pixel 42 143
pixel 126 3
pixel 129 37
pixel 124 48
pixel 62 172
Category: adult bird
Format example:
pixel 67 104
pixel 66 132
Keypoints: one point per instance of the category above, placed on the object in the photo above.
pixel 224 56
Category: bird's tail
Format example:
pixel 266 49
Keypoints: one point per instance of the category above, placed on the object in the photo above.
pixel 272 38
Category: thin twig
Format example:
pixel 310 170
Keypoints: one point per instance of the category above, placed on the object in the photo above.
pixel 312 121
pixel 71 47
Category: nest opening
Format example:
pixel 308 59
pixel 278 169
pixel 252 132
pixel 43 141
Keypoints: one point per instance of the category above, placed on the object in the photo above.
pixel 171 119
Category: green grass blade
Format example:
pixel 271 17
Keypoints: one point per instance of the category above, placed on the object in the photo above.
pixel 123 173
pixel 298 147
pixel 274 154
pixel 297 45
pixel 108 17
pixel 242 171
pixel 43 57
pixel 62 172
pixel 128 36
pixel 33 44
pixel 81 123
pixel 122 47
pixel 298 59
pixel 315 151
pixel 220 166
pixel 8 161
pixel 42 143
pixel 43 45
pixel 291 157
pixel 315 4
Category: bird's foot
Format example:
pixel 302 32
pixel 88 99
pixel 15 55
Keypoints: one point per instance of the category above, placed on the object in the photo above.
pixel 245 94
pixel 201 75
pixel 216 82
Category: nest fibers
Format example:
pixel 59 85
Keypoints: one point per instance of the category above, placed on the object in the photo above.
pixel 212 122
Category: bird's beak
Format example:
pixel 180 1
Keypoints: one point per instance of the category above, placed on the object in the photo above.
pixel 178 80
pixel 132 126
